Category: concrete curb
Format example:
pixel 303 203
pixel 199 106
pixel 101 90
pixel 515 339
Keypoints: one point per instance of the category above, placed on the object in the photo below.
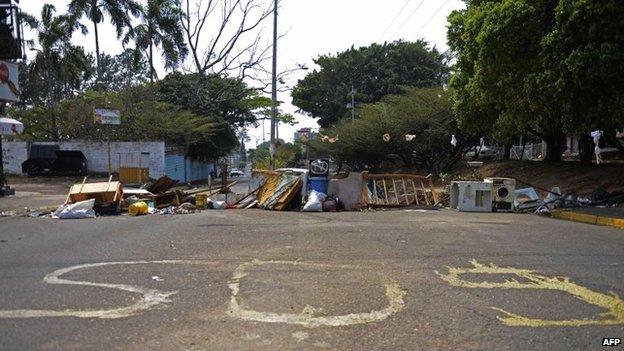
pixel 589 219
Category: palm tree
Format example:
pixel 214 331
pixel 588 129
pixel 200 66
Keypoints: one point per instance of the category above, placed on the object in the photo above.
pixel 160 27
pixel 117 10
pixel 58 68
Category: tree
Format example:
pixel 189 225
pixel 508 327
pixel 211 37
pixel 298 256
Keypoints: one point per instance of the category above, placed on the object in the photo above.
pixel 94 10
pixel 59 68
pixel 286 155
pixel 122 71
pixel 374 71
pixel 143 118
pixel 414 127
pixel 229 102
pixel 224 36
pixel 582 69
pixel 160 27
pixel 542 67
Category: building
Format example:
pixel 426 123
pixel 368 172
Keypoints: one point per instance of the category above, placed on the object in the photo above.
pixel 305 134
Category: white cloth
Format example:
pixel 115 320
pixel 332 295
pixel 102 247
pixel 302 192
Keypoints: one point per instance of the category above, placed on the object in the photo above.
pixel 596 135
pixel 453 140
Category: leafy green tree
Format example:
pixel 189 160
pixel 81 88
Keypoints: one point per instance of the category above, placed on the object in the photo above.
pixel 286 155
pixel 160 27
pixel 582 76
pixel 118 10
pixel 59 69
pixel 374 71
pixel 414 127
pixel 229 102
pixel 143 118
pixel 122 71
pixel 544 67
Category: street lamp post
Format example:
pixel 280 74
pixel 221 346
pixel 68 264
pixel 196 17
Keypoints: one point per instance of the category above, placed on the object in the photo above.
pixel 274 88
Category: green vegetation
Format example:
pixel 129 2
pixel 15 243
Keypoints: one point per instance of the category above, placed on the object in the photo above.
pixel 374 71
pixel 543 67
pixel 424 114
pixel 286 155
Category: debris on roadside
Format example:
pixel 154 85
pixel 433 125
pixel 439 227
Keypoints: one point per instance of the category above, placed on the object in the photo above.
pixel 76 210
pixel 105 195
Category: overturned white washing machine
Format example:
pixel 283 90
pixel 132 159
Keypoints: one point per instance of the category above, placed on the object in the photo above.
pixel 503 193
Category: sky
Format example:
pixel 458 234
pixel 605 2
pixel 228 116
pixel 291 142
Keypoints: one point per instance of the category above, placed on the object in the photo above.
pixel 311 28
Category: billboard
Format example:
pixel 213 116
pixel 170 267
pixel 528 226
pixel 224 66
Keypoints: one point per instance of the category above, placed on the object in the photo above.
pixel 103 116
pixel 9 82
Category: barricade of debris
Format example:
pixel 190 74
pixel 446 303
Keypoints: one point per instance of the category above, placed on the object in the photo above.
pixel 111 198
pixel 295 189
pixel 505 195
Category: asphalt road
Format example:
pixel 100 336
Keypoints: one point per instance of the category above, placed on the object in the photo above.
pixel 256 280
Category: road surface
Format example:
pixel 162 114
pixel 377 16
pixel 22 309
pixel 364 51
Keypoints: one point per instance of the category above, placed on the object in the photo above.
pixel 258 280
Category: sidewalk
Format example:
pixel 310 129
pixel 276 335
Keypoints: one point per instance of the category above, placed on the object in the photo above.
pixel 609 216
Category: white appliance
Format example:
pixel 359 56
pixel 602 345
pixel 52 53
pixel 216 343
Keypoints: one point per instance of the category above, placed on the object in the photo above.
pixel 503 193
pixel 471 196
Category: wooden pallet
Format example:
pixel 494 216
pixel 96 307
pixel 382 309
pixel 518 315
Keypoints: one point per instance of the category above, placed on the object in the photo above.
pixel 398 190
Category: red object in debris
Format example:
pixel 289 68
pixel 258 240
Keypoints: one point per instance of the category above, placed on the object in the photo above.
pixel 4 73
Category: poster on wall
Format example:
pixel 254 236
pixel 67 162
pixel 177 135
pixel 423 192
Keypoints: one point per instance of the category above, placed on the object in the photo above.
pixel 9 83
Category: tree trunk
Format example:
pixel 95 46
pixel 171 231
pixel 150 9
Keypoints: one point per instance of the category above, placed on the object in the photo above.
pixel 507 151
pixel 97 53
pixel 151 61
pixel 554 147
pixel 586 149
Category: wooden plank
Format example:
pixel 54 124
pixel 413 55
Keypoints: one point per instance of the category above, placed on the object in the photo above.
pixel 434 193
pixel 422 185
pixel 375 199
pixel 385 191
pixel 405 192
pixel 415 191
pixel 396 194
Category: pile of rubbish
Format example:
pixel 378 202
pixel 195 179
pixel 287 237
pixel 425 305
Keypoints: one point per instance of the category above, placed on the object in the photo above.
pixel 162 197
pixel 281 190
pixel 501 195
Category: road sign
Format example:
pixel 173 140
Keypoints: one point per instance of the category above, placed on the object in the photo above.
pixel 103 116
pixel 9 83
pixel 319 168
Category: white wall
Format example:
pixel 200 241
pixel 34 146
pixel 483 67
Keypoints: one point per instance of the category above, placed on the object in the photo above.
pixel 13 154
pixel 96 153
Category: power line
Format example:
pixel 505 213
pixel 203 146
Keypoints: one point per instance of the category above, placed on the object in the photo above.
pixel 394 19
pixel 408 18
pixel 430 18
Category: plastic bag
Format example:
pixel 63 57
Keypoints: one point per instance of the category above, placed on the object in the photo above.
pixel 315 202
pixel 82 209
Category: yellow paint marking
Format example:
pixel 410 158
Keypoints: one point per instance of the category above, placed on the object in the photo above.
pixel 149 299
pixel 610 302
pixel 307 318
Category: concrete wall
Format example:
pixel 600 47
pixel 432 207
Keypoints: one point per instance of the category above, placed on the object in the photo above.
pixel 96 153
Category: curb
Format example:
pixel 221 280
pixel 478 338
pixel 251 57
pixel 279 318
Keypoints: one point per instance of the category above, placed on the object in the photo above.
pixel 589 219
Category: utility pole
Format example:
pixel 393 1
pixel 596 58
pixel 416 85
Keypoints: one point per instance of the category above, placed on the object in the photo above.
pixel 274 89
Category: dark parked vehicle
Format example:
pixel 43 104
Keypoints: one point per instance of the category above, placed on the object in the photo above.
pixel 68 162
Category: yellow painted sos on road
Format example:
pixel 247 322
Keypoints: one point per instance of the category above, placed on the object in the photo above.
pixel 610 302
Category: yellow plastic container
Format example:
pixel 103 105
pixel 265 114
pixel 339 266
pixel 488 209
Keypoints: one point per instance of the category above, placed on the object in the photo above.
pixel 138 209
pixel 201 200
